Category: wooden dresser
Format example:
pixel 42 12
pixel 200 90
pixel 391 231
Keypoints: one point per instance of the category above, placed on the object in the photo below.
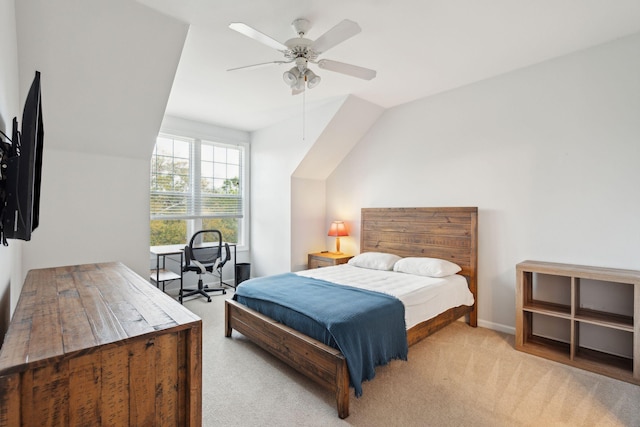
pixel 98 345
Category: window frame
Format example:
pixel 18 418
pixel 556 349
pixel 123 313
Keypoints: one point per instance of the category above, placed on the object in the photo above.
pixel 194 223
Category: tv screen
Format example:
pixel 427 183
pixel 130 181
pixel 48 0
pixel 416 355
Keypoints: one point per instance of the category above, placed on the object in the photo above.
pixel 21 212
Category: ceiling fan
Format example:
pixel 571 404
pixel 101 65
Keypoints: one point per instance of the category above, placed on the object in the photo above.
pixel 302 51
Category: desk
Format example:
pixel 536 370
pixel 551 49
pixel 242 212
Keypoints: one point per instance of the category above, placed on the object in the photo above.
pixel 161 275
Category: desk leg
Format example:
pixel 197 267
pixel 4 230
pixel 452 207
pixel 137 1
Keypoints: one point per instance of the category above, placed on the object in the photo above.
pixel 181 275
pixel 235 267
pixel 158 271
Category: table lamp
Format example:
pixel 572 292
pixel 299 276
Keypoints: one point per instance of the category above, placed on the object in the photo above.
pixel 337 230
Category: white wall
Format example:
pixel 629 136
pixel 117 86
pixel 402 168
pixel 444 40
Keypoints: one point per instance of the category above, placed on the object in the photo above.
pixel 275 154
pixel 190 128
pixel 107 70
pixel 288 174
pixel 307 219
pixel 94 208
pixel 10 257
pixel 308 205
pixel 549 154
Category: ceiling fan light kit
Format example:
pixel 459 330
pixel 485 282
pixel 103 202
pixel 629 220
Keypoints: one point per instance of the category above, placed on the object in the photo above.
pixel 291 76
pixel 295 79
pixel 312 79
pixel 303 51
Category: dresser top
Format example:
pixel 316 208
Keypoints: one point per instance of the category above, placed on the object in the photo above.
pixel 63 311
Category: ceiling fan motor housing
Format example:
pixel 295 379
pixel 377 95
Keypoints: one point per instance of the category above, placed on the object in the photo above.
pixel 300 48
pixel 301 26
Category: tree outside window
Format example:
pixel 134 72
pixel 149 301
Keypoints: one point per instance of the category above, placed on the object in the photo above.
pixel 195 185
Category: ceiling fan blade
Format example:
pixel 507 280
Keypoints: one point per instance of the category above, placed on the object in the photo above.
pixel 257 35
pixel 336 35
pixel 262 64
pixel 351 70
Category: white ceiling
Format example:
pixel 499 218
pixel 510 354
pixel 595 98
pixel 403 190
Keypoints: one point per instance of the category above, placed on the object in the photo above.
pixel 418 47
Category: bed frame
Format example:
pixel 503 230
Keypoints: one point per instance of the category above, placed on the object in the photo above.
pixel 447 233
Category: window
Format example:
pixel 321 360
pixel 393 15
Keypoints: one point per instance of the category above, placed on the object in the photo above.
pixel 195 185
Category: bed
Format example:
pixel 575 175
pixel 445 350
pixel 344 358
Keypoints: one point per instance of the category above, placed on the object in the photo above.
pixel 445 233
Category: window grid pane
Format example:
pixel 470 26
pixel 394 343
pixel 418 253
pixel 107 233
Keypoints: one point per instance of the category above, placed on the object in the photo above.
pixel 170 165
pixel 177 195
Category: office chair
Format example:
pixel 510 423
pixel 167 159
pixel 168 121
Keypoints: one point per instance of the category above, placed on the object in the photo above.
pixel 205 258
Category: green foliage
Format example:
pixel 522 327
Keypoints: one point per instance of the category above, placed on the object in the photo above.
pixel 168 232
pixel 174 232
pixel 169 174
pixel 172 195
pixel 231 186
pixel 227 226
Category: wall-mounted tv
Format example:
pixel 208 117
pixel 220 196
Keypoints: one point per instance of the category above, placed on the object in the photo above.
pixel 22 170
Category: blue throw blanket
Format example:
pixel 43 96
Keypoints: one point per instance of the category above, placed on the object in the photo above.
pixel 367 327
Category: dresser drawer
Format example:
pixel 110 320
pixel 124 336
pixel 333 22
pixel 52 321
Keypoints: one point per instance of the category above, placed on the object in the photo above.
pixel 326 259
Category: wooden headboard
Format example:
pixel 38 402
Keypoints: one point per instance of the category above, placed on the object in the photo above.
pixel 447 233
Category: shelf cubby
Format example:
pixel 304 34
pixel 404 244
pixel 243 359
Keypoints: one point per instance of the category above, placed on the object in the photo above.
pixel 577 310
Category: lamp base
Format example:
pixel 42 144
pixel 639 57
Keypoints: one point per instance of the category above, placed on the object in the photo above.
pixel 337 252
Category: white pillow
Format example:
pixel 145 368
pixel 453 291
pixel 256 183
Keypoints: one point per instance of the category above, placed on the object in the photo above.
pixel 422 266
pixel 374 260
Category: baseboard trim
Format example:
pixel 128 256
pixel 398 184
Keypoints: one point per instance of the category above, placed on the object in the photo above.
pixel 497 327
pixel 511 330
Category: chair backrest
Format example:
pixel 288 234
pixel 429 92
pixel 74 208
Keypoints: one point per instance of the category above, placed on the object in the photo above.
pixel 205 247
pixel 227 256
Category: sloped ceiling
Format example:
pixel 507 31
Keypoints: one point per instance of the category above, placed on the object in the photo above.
pixel 107 71
pixel 418 47
pixel 338 137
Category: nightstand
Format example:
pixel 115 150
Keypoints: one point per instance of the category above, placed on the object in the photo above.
pixel 326 259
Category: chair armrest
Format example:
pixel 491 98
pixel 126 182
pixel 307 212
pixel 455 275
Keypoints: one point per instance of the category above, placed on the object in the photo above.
pixel 204 269
pixel 200 266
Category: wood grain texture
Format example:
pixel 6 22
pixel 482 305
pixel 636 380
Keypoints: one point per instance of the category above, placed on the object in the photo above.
pixel 572 353
pixel 326 259
pixel 98 345
pixel 10 403
pixel 448 233
pixel 114 394
pixel 636 333
pixel 193 375
pixel 319 362
pixel 85 389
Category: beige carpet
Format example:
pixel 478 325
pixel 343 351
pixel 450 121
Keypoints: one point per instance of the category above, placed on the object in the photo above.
pixel 460 376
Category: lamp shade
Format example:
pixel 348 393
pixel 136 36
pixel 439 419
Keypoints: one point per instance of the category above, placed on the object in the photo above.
pixel 337 229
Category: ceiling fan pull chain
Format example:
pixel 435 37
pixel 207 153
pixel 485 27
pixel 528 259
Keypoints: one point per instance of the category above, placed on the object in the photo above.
pixel 304 98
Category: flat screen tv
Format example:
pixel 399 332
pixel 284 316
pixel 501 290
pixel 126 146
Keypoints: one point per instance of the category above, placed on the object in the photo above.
pixel 23 170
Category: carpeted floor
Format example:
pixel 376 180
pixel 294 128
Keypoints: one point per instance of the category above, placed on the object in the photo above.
pixel 460 376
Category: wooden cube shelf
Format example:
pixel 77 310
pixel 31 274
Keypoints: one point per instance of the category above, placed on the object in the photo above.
pixel 572 352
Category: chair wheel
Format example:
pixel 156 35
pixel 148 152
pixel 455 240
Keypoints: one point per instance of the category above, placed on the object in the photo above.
pixel 209 300
pixel 224 292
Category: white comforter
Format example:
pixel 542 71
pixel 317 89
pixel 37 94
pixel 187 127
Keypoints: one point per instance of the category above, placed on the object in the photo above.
pixel 423 297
